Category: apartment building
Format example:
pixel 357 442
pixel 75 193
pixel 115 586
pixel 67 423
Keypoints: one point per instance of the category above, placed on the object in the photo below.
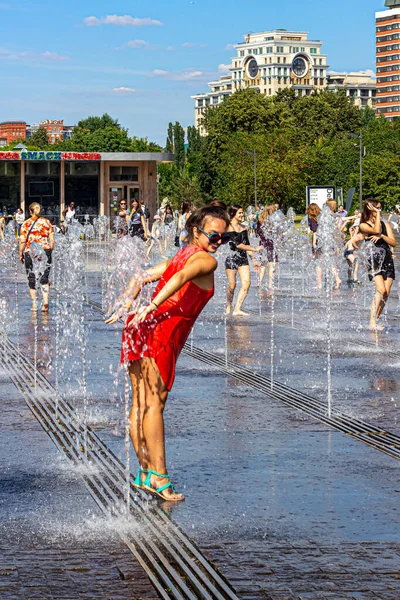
pixel 388 60
pixel 269 62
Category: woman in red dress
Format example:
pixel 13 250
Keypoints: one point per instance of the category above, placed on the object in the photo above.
pixel 154 337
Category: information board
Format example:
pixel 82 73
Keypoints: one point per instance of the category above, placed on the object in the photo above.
pixel 320 194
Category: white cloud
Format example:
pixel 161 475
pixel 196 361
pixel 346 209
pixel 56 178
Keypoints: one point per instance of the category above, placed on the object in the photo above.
pixel 223 68
pixel 124 91
pixel 194 45
pixel 35 56
pixel 121 21
pixel 53 56
pixel 230 47
pixel 171 48
pixel 140 44
pixel 184 75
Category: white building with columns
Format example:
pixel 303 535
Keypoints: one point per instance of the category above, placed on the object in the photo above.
pixel 271 61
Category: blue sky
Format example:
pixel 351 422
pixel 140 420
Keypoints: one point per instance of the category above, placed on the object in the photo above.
pixel 141 61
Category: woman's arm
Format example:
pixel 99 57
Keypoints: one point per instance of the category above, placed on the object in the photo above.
pixel 22 241
pixel 376 229
pixel 314 239
pixel 144 225
pixel 389 238
pixel 197 266
pixel 134 288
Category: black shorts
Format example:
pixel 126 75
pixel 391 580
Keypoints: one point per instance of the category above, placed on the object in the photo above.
pixel 236 260
pixel 386 269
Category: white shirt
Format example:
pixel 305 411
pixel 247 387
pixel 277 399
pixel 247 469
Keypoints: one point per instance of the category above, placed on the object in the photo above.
pixel 70 215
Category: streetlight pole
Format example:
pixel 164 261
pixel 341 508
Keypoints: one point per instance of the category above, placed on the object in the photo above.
pixel 361 172
pixel 255 179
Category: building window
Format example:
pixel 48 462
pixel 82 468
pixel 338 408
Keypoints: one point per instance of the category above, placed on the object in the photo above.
pixel 280 49
pixel 124 173
pixel 302 49
pixel 313 51
pixel 241 53
pixel 260 51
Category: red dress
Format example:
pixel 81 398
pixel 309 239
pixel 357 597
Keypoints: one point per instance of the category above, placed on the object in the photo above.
pixel 164 332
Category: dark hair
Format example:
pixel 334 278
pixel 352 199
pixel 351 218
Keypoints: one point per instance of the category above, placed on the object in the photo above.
pixel 219 203
pixel 233 210
pixel 168 207
pixel 366 213
pixel 185 207
pixel 123 200
pixel 200 215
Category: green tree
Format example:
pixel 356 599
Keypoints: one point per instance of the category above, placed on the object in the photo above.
pixel 381 178
pixel 39 138
pixel 143 145
pixel 169 145
pixel 94 123
pixel 179 146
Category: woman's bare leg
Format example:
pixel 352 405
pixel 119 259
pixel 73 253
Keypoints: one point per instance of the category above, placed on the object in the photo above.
pixel 230 289
pixel 244 274
pixel 136 414
pixel 271 273
pixel 388 285
pixel 377 300
pixel 147 421
pixel 263 270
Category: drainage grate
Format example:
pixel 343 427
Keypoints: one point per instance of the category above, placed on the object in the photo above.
pixel 173 563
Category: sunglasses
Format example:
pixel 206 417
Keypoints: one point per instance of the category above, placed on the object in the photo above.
pixel 214 238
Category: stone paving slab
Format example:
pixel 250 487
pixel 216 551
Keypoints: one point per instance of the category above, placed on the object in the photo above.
pixel 53 573
pixel 358 571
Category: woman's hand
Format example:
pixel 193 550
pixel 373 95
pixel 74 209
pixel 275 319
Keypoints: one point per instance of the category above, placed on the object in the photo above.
pixel 373 208
pixel 375 238
pixel 114 318
pixel 141 315
pixel 120 313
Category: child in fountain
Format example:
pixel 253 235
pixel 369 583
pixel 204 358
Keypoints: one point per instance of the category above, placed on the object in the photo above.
pixel 154 337
pixel 351 257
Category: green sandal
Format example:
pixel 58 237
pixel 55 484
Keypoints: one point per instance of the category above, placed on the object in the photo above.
pixel 138 480
pixel 158 491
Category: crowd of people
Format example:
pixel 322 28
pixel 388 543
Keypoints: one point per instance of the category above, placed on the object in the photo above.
pixel 154 334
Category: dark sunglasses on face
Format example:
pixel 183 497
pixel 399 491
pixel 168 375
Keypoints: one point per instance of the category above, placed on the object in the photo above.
pixel 214 238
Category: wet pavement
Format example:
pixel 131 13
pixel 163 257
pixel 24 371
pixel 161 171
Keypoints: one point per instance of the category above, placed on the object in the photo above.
pixel 285 506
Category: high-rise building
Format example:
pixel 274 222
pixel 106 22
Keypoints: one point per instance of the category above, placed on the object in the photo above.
pixel 269 62
pixel 388 60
